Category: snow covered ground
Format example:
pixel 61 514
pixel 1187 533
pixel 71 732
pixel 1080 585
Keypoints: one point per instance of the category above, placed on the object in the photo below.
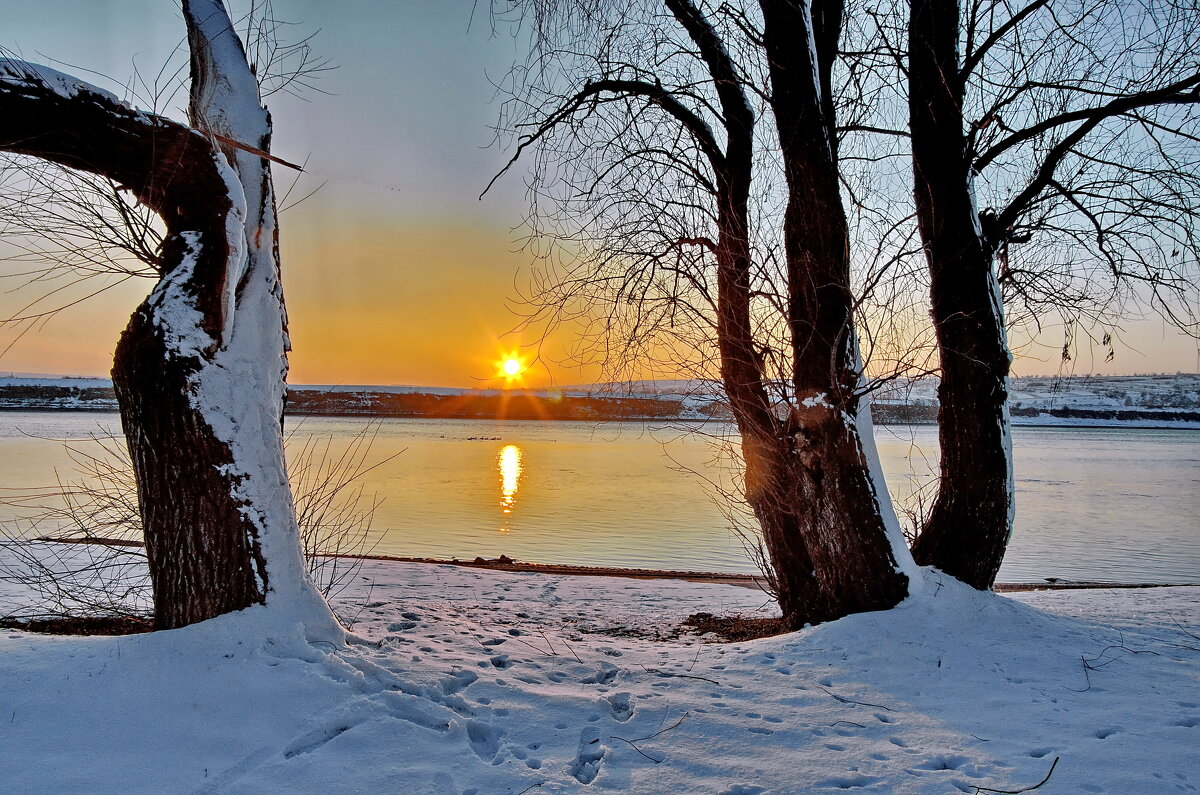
pixel 468 681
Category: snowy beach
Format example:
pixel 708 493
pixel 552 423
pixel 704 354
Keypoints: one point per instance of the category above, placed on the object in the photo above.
pixel 470 681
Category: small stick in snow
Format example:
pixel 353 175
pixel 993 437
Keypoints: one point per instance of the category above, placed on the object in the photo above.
pixel 632 742
pixel 845 700
pixel 674 725
pixel 1049 773
pixel 639 750
pixel 539 650
pixel 1087 678
pixel 568 645
pixel 1181 629
pixel 1185 632
pixel 660 672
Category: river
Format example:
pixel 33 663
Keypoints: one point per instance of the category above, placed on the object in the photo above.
pixel 1103 504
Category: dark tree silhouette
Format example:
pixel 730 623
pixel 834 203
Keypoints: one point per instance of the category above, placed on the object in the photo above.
pixel 653 152
pixel 1083 134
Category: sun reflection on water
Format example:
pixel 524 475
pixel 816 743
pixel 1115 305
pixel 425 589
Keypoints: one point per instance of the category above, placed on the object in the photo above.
pixel 509 464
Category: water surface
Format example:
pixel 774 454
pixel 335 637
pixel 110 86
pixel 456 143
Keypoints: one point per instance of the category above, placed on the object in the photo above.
pixel 1118 505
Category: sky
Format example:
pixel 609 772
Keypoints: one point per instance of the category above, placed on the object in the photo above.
pixel 395 271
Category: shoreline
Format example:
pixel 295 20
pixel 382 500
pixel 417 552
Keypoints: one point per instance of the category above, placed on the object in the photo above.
pixel 720 578
pixel 752 581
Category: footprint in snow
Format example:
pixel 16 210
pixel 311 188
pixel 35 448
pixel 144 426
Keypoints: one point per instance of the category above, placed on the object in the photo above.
pixel 313 740
pixel 586 766
pixel 604 675
pixel 484 739
pixel 456 681
pixel 621 705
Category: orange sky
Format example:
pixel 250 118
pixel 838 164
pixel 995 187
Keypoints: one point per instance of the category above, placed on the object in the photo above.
pixel 395 271
pixel 415 302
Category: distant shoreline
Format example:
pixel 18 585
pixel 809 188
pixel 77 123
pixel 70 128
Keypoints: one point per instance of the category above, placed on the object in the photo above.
pixel 1169 403
pixel 1061 418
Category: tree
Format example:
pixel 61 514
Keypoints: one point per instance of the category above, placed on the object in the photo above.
pixel 199 371
pixel 652 137
pixel 1083 137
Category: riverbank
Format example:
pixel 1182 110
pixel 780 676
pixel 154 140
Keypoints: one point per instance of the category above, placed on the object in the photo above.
pixel 752 581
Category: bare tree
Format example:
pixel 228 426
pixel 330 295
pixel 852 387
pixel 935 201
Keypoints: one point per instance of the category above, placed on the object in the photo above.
pixel 648 179
pixel 1054 155
pixel 199 371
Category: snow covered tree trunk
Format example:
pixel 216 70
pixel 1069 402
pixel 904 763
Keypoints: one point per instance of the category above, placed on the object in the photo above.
pixel 199 372
pixel 967 530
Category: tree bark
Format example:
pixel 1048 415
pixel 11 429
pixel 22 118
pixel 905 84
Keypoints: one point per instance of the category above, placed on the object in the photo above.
pixel 967 530
pixel 823 475
pixel 204 553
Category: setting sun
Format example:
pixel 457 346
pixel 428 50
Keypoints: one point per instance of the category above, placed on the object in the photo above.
pixel 511 367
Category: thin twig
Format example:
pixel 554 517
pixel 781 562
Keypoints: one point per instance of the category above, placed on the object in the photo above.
pixel 674 725
pixel 660 672
pixel 845 700
pixel 1086 668
pixel 1050 772
pixel 639 750
pixel 573 654
pixel 632 743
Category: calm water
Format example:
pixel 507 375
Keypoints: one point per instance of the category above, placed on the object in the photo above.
pixel 1097 504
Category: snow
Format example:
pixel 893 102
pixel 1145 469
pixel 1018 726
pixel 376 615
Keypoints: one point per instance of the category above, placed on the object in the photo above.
pixel 816 400
pixel 463 680
pixel 1180 391
pixel 66 86
pixel 864 427
pixel 1005 420
pixel 174 306
pixel 239 388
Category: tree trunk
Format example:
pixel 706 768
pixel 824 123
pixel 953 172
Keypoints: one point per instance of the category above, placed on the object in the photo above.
pixel 199 370
pixel 805 476
pixel 204 553
pixel 203 562
pixel 968 528
pixel 825 486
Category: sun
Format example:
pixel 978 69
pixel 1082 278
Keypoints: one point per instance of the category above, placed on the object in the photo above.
pixel 511 368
